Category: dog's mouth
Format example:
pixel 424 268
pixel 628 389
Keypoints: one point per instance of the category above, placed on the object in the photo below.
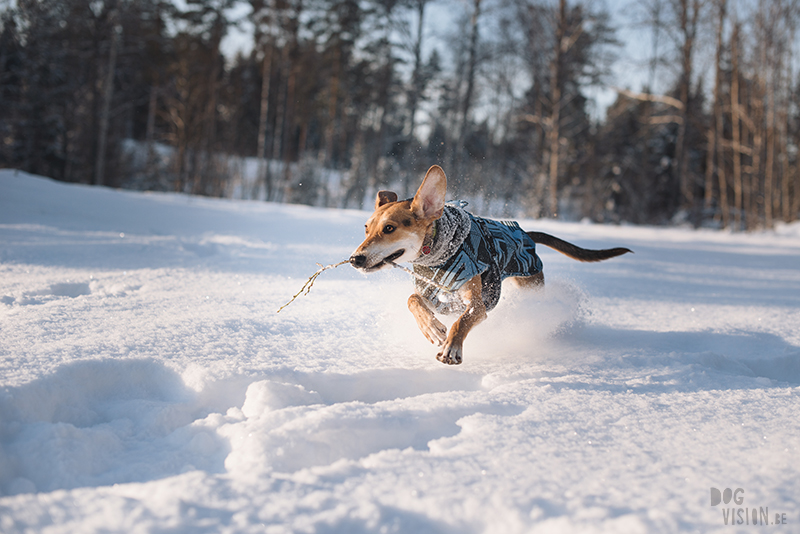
pixel 392 257
pixel 358 262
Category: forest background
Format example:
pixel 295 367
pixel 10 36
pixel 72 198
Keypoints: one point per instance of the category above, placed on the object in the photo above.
pixel 326 101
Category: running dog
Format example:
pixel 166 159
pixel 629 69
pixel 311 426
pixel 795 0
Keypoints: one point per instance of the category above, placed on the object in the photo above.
pixel 465 257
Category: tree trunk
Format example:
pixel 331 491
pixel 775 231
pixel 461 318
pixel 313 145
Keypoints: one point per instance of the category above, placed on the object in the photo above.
pixel 287 124
pixel 333 106
pixel 751 191
pixel 721 169
pixel 207 179
pixel 688 22
pixel 769 174
pixel 108 95
pixel 416 84
pixel 715 131
pixel 554 135
pixel 150 165
pixel 785 168
pixel 736 128
pixel 466 104
pixel 261 151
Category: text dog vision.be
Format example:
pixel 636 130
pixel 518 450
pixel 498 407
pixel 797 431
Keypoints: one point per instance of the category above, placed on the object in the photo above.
pixel 743 516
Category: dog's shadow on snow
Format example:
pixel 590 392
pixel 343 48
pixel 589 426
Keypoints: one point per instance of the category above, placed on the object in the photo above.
pixel 686 361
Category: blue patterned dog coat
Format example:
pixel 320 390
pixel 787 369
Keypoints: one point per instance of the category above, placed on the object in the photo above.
pixel 496 250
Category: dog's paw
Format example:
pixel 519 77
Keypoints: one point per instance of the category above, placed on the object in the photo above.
pixel 450 354
pixel 434 331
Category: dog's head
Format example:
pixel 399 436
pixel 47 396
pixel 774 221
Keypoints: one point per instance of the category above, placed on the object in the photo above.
pixel 396 230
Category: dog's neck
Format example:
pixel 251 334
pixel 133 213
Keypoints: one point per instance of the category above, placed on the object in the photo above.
pixel 444 237
pixel 427 243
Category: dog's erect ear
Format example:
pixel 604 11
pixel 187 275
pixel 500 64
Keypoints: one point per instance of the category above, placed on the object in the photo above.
pixel 384 197
pixel 428 203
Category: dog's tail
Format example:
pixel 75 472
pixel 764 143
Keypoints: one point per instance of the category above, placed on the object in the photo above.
pixel 575 252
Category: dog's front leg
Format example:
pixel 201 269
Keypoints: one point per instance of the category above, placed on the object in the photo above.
pixel 470 293
pixel 428 324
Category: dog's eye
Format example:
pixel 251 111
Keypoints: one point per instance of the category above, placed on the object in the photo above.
pixel 388 229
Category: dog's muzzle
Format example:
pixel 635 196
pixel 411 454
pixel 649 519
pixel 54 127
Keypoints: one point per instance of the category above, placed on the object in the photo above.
pixel 359 261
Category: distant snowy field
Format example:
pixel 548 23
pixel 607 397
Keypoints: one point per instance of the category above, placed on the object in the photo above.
pixel 148 385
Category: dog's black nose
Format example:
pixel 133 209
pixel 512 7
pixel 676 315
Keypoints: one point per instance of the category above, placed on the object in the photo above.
pixel 358 261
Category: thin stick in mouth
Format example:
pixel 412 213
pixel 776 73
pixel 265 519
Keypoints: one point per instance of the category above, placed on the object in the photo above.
pixel 420 277
pixel 310 282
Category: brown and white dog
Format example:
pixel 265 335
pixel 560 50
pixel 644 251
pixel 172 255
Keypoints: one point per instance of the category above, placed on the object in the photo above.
pixel 430 235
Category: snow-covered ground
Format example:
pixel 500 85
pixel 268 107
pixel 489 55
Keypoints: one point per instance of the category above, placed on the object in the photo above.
pixel 148 384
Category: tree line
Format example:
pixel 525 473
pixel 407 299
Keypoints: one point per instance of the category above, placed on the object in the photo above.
pixel 338 98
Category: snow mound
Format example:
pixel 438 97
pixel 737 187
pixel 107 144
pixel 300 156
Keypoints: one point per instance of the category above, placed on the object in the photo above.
pixel 96 423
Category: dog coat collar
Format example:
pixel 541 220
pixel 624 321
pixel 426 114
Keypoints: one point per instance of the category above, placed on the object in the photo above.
pixel 449 231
